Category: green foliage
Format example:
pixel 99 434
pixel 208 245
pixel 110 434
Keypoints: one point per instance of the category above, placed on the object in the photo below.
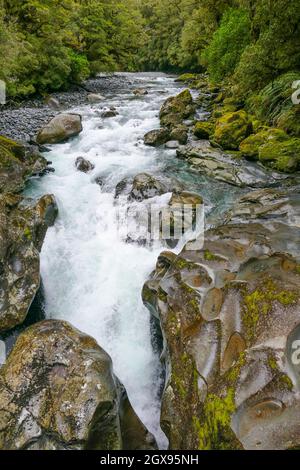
pixel 224 51
pixel 48 44
pixel 275 47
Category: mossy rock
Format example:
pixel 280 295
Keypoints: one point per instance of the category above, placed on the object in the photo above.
pixel 250 146
pixel 176 109
pixel 281 156
pixel 187 77
pixel 15 148
pixel 289 121
pixel 203 129
pixel 232 129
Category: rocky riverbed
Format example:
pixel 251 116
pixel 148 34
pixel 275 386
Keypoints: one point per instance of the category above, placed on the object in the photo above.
pixel 212 362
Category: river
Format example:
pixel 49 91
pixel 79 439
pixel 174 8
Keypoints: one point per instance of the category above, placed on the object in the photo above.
pixel 91 276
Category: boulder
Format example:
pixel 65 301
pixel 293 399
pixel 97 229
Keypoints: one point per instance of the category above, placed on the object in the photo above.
pixel 179 133
pixel 94 98
pixel 60 128
pixel 249 147
pixel 231 129
pixel 157 137
pixel 203 129
pixel 84 165
pixel 172 145
pixel 146 186
pixel 281 156
pixel 229 312
pixel 58 392
pixel 18 162
pixel 23 226
pixel 140 92
pixel 176 109
pixel 109 114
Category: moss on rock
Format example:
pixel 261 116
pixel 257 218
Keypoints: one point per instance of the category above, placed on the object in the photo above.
pixel 231 129
pixel 281 156
pixel 251 145
pixel 203 129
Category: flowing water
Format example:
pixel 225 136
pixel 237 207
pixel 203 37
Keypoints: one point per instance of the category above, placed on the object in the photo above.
pixel 92 277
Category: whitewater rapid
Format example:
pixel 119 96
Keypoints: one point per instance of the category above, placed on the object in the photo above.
pixel 91 277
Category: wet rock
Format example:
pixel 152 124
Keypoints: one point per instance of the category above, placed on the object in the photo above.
pixel 109 114
pixel 58 391
pixel 231 129
pixel 227 311
pixel 176 109
pixel 84 165
pixel 146 186
pixel 172 144
pixel 60 128
pixel 94 98
pixel 23 227
pixel 157 137
pixel 179 133
pixel 140 92
pixel 18 162
pixel 214 163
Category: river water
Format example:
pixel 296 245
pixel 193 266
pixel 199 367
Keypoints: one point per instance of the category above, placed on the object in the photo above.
pixel 91 276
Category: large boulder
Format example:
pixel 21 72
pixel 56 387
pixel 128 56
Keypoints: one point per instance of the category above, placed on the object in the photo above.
pixel 229 313
pixel 176 109
pixel 180 134
pixel 58 392
pixel 250 147
pixel 60 128
pixel 281 156
pixel 146 186
pixel 203 129
pixel 18 162
pixel 231 129
pixel 23 226
pixel 157 137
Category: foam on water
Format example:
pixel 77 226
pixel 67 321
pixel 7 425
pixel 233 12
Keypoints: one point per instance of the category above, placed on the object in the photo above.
pixel 92 278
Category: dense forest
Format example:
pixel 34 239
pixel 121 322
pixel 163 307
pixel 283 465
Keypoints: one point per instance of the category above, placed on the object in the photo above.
pixel 250 45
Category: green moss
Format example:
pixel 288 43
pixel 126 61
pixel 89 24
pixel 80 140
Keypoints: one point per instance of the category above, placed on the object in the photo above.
pixel 272 363
pixel 213 427
pixel 203 129
pixel 281 156
pixel 209 256
pixel 289 121
pixel 250 146
pixel 231 129
pixel 234 372
pixel 27 233
pixel 286 382
pixel 260 302
pixel 187 77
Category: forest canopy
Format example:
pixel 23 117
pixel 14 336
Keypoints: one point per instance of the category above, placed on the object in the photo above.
pixel 47 45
